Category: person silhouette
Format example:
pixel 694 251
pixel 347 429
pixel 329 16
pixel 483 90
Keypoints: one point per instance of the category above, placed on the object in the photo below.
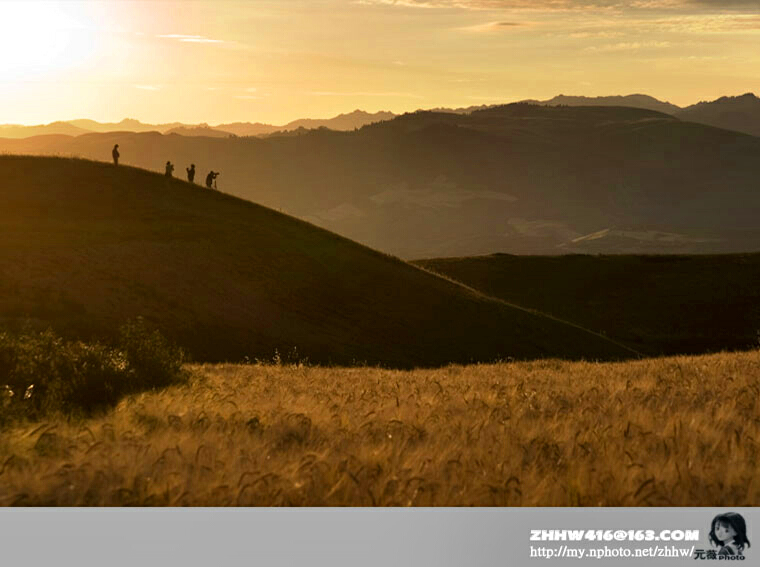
pixel 115 154
pixel 211 178
pixel 169 169
pixel 191 173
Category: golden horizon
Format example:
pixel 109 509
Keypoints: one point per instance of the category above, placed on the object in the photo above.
pixel 272 62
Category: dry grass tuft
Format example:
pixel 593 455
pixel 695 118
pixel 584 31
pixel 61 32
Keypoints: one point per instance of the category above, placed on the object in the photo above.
pixel 680 431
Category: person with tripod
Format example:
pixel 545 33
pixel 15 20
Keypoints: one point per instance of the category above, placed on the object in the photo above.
pixel 211 179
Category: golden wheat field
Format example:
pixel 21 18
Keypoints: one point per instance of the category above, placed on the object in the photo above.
pixel 681 431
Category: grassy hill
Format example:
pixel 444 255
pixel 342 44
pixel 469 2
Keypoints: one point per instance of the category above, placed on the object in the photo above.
pixel 519 178
pixel 656 304
pixel 88 245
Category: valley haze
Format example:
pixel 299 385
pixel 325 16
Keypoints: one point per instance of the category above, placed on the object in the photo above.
pixel 569 175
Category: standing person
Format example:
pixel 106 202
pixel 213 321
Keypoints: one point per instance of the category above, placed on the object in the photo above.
pixel 169 169
pixel 115 154
pixel 211 179
pixel 191 173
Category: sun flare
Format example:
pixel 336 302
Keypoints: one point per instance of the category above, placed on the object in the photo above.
pixel 42 40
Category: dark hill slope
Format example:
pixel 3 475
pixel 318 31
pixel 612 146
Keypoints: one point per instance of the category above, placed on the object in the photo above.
pixel 518 178
pixel 656 304
pixel 740 113
pixel 634 101
pixel 87 245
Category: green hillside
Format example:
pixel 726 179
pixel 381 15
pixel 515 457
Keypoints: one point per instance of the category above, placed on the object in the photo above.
pixel 87 246
pixel 656 304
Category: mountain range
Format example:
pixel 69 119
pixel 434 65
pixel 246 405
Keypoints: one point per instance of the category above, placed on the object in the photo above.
pixel 632 101
pixel 519 178
pixel 349 121
pixel 739 113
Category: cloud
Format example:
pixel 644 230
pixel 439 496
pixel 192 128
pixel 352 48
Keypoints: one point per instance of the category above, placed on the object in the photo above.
pixel 486 98
pixel 629 46
pixel 491 27
pixel 602 34
pixel 468 80
pixel 502 4
pixel 702 23
pixel 727 23
pixel 251 93
pixel 190 38
pixel 562 5
pixel 403 3
pixel 365 93
pixel 733 4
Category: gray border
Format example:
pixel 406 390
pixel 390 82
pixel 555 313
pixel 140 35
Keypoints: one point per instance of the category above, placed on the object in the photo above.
pixel 386 537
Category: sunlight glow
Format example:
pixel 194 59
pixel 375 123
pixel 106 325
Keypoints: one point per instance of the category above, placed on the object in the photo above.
pixel 40 38
pixel 195 60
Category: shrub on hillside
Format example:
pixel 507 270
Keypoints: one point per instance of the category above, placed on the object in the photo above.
pixel 42 373
pixel 153 361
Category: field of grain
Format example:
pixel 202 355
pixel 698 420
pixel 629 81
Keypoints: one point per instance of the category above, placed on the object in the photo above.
pixel 681 431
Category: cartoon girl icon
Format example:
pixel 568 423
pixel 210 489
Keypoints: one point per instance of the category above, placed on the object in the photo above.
pixel 729 532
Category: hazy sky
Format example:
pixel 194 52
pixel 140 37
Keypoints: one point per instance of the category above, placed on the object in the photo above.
pixel 274 61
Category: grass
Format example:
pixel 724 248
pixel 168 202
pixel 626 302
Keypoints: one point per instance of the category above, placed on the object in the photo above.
pixel 680 431
pixel 657 304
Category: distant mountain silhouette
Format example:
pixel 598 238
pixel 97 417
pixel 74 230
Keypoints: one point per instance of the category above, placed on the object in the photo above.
pixel 350 121
pixel 740 113
pixel 519 178
pixel 202 130
pixel 460 110
pixel 88 245
pixel 19 131
pixel 355 119
pixel 633 101
pixel 126 125
pixel 248 129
